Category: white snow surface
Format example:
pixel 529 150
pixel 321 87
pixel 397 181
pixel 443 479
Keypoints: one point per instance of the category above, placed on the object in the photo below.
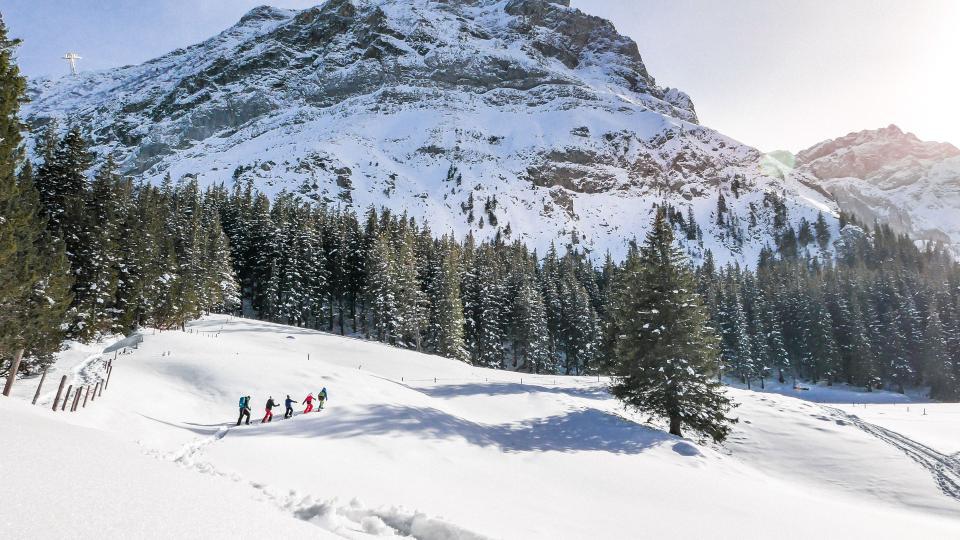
pixel 416 445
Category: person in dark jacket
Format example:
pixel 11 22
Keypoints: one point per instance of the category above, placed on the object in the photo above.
pixel 289 404
pixel 244 409
pixel 269 408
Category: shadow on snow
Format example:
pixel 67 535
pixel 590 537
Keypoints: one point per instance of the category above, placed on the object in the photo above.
pixel 577 431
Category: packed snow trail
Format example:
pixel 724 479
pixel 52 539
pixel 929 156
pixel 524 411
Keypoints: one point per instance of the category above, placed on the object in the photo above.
pixel 945 469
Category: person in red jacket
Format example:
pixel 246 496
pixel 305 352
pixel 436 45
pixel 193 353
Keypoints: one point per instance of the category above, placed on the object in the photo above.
pixel 309 402
pixel 270 405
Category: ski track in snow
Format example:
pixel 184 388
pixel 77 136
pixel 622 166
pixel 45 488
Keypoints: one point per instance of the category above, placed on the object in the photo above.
pixel 352 520
pixel 944 468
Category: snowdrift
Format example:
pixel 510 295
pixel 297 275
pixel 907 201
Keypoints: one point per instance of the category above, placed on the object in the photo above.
pixel 416 445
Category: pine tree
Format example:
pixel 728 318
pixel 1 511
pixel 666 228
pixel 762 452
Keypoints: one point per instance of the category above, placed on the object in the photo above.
pixel 822 231
pixel 34 282
pixel 411 300
pixel 381 290
pixel 666 350
pixel 96 260
pixel 936 361
pixel 446 321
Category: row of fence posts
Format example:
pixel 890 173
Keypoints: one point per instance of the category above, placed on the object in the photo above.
pixel 85 392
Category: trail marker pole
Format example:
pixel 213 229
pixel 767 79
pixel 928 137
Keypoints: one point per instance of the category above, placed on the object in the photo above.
pixel 66 397
pixel 39 386
pixel 56 401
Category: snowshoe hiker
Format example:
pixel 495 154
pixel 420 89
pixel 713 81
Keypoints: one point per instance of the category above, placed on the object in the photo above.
pixel 309 402
pixel 269 408
pixel 289 405
pixel 322 397
pixel 244 409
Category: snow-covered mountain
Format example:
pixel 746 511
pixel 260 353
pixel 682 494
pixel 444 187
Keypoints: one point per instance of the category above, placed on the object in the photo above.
pixel 546 112
pixel 893 177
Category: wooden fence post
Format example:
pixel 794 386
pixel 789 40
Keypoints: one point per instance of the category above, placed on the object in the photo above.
pixel 56 401
pixel 39 386
pixel 14 367
pixel 86 394
pixel 93 396
pixel 76 400
pixel 66 398
pixel 101 388
pixel 109 372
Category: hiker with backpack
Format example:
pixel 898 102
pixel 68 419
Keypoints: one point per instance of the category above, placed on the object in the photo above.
pixel 289 404
pixel 244 409
pixel 309 402
pixel 269 409
pixel 322 397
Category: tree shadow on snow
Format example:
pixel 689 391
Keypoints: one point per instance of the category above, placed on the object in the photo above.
pixel 503 389
pixel 577 431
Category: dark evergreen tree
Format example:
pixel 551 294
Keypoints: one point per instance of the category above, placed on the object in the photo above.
pixel 666 350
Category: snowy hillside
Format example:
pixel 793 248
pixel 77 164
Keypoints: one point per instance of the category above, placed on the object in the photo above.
pixel 545 116
pixel 417 445
pixel 893 177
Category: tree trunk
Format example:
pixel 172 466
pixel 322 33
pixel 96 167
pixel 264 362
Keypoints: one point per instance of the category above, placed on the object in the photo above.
pixel 675 426
pixel 14 367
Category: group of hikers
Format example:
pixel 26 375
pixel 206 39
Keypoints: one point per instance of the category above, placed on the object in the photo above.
pixel 289 402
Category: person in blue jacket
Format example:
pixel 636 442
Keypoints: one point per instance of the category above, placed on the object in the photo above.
pixel 244 409
pixel 289 404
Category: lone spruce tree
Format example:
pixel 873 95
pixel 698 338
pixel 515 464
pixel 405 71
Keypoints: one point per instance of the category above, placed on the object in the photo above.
pixel 664 352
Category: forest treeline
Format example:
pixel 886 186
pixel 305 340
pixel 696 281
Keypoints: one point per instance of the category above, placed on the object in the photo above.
pixel 85 252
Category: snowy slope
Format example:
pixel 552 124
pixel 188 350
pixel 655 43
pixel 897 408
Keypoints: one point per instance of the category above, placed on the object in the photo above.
pixel 892 177
pixel 415 444
pixel 418 104
pixel 63 481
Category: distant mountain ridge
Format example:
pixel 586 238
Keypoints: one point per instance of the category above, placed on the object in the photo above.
pixel 474 114
pixel 892 177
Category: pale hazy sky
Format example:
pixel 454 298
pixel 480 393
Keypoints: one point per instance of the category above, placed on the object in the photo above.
pixel 772 73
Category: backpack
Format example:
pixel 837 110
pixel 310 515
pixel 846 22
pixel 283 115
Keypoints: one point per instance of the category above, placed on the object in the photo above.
pixel 243 402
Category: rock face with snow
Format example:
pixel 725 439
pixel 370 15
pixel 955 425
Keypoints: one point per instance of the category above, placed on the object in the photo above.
pixel 893 177
pixel 544 111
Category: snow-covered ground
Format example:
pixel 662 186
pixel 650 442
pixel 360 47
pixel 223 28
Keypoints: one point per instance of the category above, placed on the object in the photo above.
pixel 417 445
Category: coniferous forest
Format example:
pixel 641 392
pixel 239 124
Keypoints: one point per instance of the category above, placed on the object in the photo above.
pixel 86 252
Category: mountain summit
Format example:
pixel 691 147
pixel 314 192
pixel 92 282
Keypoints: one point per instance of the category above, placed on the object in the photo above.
pixel 515 117
pixel 892 177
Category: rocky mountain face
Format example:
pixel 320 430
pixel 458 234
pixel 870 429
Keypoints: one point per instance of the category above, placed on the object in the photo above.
pixel 519 117
pixel 893 177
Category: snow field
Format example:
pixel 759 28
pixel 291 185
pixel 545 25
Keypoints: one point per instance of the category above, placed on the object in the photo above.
pixel 478 454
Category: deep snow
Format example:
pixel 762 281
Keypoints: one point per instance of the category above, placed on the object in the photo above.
pixel 419 445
